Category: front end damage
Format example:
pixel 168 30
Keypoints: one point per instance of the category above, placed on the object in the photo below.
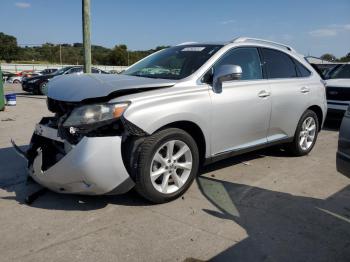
pixel 84 160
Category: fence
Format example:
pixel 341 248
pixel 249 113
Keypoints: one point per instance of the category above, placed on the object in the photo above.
pixel 14 68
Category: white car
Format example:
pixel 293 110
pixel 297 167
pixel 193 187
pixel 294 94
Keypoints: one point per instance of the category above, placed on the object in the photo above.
pixel 15 79
pixel 338 89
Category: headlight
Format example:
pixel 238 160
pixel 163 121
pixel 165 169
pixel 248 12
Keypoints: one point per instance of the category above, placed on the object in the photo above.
pixel 92 114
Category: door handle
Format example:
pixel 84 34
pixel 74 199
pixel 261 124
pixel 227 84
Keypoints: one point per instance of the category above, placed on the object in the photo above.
pixel 263 94
pixel 304 90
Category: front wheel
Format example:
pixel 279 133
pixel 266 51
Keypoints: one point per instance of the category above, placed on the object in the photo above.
pixel 167 165
pixel 305 135
pixel 43 88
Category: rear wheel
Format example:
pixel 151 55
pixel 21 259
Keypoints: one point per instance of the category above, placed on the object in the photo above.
pixel 167 165
pixel 306 134
pixel 16 81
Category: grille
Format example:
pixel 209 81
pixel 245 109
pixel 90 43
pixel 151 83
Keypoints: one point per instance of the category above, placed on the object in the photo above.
pixel 338 93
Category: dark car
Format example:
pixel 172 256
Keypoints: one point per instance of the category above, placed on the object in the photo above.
pixel 37 84
pixel 48 71
pixel 343 154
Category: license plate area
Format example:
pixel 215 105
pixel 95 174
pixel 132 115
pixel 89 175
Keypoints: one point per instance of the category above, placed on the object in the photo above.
pixel 47 132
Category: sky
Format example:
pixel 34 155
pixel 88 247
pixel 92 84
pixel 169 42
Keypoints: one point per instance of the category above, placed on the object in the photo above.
pixel 312 27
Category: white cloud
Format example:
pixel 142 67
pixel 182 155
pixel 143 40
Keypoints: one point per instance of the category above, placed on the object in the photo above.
pixel 329 31
pixel 22 5
pixel 228 22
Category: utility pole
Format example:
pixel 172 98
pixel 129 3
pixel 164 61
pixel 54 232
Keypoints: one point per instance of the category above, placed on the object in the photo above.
pixel 86 35
pixel 60 54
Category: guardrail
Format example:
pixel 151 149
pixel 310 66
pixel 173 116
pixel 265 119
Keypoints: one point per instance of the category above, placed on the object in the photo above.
pixel 15 68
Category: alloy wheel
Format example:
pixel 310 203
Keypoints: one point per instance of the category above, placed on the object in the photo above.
pixel 307 133
pixel 171 166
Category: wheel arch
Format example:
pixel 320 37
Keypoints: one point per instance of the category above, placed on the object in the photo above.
pixel 193 130
pixel 319 113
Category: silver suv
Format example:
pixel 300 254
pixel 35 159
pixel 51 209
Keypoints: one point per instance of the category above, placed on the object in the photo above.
pixel 154 125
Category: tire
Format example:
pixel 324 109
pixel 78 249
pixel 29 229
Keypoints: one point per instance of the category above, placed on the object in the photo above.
pixel 297 148
pixel 147 163
pixel 41 89
pixel 16 81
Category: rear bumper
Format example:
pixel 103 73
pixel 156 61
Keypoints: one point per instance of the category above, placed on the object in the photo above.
pixel 94 166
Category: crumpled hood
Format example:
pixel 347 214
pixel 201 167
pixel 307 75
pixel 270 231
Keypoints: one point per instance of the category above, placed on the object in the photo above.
pixel 338 82
pixel 75 88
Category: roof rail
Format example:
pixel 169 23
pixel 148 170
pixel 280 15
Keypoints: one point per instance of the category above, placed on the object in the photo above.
pixel 246 39
pixel 187 43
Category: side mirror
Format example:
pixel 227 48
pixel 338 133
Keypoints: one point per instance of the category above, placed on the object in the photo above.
pixel 225 73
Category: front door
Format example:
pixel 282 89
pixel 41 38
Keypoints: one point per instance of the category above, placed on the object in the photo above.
pixel 241 112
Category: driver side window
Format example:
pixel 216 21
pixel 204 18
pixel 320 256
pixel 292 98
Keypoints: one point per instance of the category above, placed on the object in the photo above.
pixel 247 58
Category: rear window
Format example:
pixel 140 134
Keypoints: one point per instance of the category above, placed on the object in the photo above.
pixel 302 70
pixel 278 64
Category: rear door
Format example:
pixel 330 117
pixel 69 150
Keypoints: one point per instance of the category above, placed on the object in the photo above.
pixel 290 92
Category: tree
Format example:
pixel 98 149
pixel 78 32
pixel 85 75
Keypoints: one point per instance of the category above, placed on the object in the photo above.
pixel 328 57
pixel 345 58
pixel 119 55
pixel 8 47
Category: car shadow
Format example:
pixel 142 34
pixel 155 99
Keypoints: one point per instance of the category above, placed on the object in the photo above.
pixel 13 179
pixel 29 95
pixel 281 226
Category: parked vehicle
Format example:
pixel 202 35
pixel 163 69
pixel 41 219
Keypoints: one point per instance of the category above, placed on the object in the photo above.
pixel 338 89
pixel 152 126
pixel 16 79
pixel 343 154
pixel 48 71
pixel 6 75
pixel 37 85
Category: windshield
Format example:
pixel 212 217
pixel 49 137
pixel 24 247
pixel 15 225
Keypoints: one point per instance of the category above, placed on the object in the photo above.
pixel 61 71
pixel 173 63
pixel 340 72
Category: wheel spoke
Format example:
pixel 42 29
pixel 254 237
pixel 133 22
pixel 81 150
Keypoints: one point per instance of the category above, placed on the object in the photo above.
pixel 161 160
pixel 181 152
pixel 170 149
pixel 184 165
pixel 157 173
pixel 165 182
pixel 302 141
pixel 312 127
pixel 177 180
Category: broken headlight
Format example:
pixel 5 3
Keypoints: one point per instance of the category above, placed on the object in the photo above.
pixel 95 114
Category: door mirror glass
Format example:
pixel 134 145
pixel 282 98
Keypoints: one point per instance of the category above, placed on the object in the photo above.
pixel 225 73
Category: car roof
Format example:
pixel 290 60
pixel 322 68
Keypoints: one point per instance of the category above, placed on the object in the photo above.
pixel 247 40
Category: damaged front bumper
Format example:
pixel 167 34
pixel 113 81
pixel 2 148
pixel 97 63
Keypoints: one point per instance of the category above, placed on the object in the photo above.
pixel 93 166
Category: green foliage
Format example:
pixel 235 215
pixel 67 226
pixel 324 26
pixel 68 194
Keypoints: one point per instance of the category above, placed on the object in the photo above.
pixel 69 53
pixel 345 58
pixel 328 57
pixel 8 47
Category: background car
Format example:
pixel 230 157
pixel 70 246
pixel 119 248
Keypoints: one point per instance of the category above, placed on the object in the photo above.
pixel 48 71
pixel 6 75
pixel 15 79
pixel 338 90
pixel 37 84
pixel 343 154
